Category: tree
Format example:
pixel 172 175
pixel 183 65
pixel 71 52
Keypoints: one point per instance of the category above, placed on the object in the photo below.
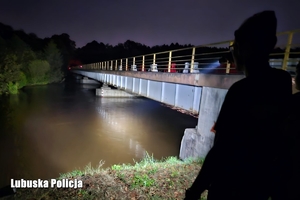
pixel 66 46
pixel 2 45
pixel 54 58
pixel 38 71
pixel 9 71
pixel 92 52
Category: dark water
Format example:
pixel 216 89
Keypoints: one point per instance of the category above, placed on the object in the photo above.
pixel 47 130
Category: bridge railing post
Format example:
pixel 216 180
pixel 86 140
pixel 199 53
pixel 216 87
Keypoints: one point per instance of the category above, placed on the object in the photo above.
pixel 121 65
pixel 193 59
pixel 111 65
pixel 287 51
pixel 170 60
pixel 153 64
pixel 116 66
pixel 228 64
pixel 143 64
pixel 133 66
pixel 126 65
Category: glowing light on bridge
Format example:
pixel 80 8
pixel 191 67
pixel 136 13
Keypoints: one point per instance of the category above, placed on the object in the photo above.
pixel 210 68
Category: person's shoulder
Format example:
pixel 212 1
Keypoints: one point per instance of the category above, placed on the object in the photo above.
pixel 296 100
pixel 239 84
pixel 296 96
pixel 295 106
pixel 280 73
pixel 237 87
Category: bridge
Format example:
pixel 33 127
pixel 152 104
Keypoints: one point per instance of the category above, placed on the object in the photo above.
pixel 195 79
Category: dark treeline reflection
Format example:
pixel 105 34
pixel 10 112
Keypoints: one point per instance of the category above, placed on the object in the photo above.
pixel 56 128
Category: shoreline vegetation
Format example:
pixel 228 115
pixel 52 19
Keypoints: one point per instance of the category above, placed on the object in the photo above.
pixel 27 68
pixel 148 179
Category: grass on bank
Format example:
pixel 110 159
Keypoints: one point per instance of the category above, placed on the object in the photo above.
pixel 147 179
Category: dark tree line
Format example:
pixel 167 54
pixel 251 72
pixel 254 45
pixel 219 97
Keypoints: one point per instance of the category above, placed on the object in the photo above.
pixel 27 59
pixel 96 52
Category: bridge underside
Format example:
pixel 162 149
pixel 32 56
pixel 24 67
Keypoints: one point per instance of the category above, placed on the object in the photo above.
pixel 179 90
pixel 186 97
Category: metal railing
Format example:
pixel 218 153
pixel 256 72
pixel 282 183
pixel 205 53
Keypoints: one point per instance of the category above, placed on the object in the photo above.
pixel 209 58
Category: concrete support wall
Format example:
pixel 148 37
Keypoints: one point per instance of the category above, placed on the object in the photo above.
pixel 105 91
pixel 198 141
pixel 85 80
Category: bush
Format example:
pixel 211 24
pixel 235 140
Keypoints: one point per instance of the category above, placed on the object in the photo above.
pixel 13 87
pixel 37 70
pixel 9 72
pixel 22 80
pixel 55 75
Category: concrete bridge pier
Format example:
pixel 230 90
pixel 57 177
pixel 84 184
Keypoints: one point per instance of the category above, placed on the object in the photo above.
pixel 77 77
pixel 106 91
pixel 196 142
pixel 86 80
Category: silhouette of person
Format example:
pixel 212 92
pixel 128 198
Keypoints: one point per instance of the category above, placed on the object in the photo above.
pixel 6 191
pixel 293 130
pixel 247 160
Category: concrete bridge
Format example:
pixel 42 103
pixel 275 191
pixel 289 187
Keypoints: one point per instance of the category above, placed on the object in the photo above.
pixel 192 79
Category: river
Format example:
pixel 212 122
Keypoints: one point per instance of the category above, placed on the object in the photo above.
pixel 53 129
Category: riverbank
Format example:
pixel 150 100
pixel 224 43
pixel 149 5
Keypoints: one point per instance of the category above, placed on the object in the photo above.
pixel 147 179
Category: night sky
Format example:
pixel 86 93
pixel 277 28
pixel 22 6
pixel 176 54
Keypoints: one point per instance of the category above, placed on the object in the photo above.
pixel 150 22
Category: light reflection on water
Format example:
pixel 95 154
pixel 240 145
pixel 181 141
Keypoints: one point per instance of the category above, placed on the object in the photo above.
pixel 47 130
pixel 121 122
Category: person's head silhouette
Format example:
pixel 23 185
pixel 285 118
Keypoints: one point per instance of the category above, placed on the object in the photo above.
pixel 254 41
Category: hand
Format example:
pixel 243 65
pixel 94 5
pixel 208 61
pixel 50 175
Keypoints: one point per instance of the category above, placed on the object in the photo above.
pixel 192 194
